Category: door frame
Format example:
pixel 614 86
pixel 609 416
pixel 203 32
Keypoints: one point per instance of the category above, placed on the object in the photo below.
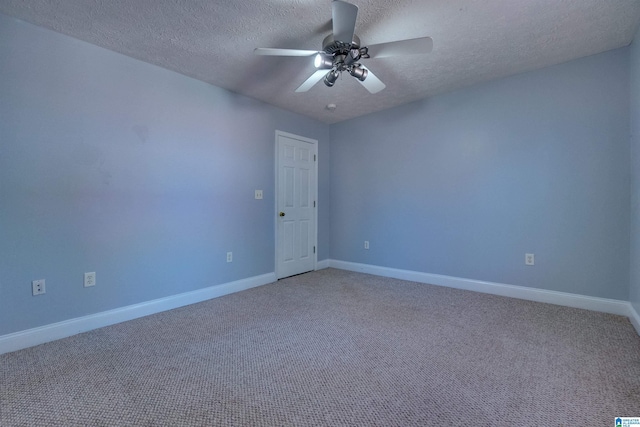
pixel 280 133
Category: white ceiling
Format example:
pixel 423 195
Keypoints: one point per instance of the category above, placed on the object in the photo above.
pixel 213 41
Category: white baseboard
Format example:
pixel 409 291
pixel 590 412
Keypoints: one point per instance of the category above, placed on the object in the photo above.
pixel 634 318
pixel 622 308
pixel 67 328
pixel 40 335
pixel 322 264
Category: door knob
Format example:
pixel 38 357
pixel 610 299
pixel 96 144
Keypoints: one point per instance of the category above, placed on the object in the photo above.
pixel 281 213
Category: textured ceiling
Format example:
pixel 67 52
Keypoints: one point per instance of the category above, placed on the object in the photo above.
pixel 213 41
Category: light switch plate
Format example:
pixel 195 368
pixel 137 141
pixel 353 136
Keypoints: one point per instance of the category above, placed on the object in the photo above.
pixel 258 194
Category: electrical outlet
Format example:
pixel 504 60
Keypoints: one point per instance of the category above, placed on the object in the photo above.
pixel 89 279
pixel 366 244
pixel 229 256
pixel 529 259
pixel 38 287
pixel 259 194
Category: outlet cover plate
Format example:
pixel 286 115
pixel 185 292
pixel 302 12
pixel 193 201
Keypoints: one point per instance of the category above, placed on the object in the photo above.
pixel 38 287
pixel 89 279
pixel 529 259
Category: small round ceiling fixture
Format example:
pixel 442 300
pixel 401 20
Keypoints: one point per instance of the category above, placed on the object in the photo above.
pixel 331 107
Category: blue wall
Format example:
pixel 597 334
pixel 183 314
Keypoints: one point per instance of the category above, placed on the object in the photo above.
pixel 465 183
pixel 145 176
pixel 634 292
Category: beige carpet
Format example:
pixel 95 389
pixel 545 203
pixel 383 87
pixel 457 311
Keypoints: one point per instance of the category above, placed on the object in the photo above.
pixel 335 348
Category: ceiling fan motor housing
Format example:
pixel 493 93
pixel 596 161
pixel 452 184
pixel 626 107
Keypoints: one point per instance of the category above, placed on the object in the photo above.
pixel 332 47
pixel 345 58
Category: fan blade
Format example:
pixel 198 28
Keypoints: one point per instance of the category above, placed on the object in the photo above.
pixel 266 51
pixel 311 81
pixel 401 47
pixel 372 83
pixel 344 20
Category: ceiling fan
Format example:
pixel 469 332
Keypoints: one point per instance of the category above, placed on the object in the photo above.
pixel 341 51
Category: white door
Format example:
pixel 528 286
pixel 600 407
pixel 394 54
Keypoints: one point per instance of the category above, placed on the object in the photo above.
pixel 296 189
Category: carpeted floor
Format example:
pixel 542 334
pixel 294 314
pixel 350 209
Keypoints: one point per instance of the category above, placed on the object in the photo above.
pixel 335 348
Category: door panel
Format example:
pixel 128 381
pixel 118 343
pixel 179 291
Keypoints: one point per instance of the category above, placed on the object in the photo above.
pixel 289 241
pixel 289 186
pixel 304 239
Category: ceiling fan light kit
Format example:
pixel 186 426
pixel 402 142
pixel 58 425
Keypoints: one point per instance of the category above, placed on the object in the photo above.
pixel 341 51
pixel 331 77
pixel 323 61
